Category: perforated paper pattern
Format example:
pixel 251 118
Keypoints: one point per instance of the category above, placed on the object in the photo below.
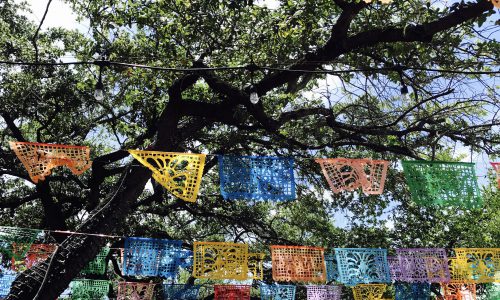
pixel 459 291
pixel 180 173
pixel 344 174
pixel 135 291
pixel 277 292
pixel 443 183
pixel 459 272
pixel 151 257
pixel 219 260
pixel 496 165
pixel 394 268
pixel 332 271
pixel 255 265
pixel 369 291
pixel 39 159
pixel 36 253
pixel 88 289
pixel 19 238
pixel 298 263
pixel 256 178
pixel 324 292
pixel 6 281
pixel 362 265
pixel 413 291
pixel 97 265
pixel 482 264
pixel 232 292
pixel 181 291
pixel 424 265
pixel 186 258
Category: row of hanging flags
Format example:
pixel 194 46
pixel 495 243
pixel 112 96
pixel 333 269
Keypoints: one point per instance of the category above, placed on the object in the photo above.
pixel 367 270
pixel 271 178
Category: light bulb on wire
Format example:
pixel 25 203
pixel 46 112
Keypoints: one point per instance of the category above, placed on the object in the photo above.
pixel 99 88
pixel 404 90
pixel 254 97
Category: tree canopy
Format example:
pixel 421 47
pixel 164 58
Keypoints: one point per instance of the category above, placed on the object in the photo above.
pixel 329 75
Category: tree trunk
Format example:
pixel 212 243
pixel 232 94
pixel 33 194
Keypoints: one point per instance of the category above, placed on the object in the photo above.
pixel 77 250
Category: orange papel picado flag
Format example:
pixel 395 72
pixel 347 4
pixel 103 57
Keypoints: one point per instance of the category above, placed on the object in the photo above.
pixel 180 173
pixel 39 159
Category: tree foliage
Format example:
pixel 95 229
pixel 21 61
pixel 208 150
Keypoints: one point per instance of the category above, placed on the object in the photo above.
pixel 301 113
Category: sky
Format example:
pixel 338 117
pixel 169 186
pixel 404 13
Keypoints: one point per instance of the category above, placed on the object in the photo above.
pixel 61 15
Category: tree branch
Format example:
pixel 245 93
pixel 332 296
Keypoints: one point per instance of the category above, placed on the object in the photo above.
pixel 12 126
pixel 16 202
pixel 35 36
pixel 417 33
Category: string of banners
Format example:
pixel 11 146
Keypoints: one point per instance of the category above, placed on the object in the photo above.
pixel 368 271
pixel 265 178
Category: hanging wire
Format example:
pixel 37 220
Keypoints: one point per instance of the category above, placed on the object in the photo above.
pixel 248 67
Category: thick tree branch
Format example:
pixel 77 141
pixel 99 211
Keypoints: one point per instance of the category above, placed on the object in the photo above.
pixel 417 33
pixel 12 126
pixel 339 43
pixel 52 213
pixel 10 202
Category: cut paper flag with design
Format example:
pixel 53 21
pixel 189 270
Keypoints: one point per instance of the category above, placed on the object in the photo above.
pixel 324 292
pixel 89 289
pixel 460 291
pixel 332 271
pixel 16 242
pixel 179 173
pixel 255 265
pixel 181 291
pixel 482 265
pixel 232 292
pixel 36 254
pixel 394 268
pixel 256 178
pixel 459 272
pixel 220 260
pixel 98 265
pixel 298 263
pixel 135 291
pixel 496 165
pixel 39 159
pixel 6 280
pixel 443 183
pixel 424 265
pixel 362 265
pixel 151 257
pixel 277 292
pixel 413 291
pixel 369 291
pixel 345 174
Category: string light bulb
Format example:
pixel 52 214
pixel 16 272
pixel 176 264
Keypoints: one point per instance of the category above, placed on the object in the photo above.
pixel 404 90
pixel 99 88
pixel 254 97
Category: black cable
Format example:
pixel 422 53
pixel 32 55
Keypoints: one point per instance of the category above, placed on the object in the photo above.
pixel 251 67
